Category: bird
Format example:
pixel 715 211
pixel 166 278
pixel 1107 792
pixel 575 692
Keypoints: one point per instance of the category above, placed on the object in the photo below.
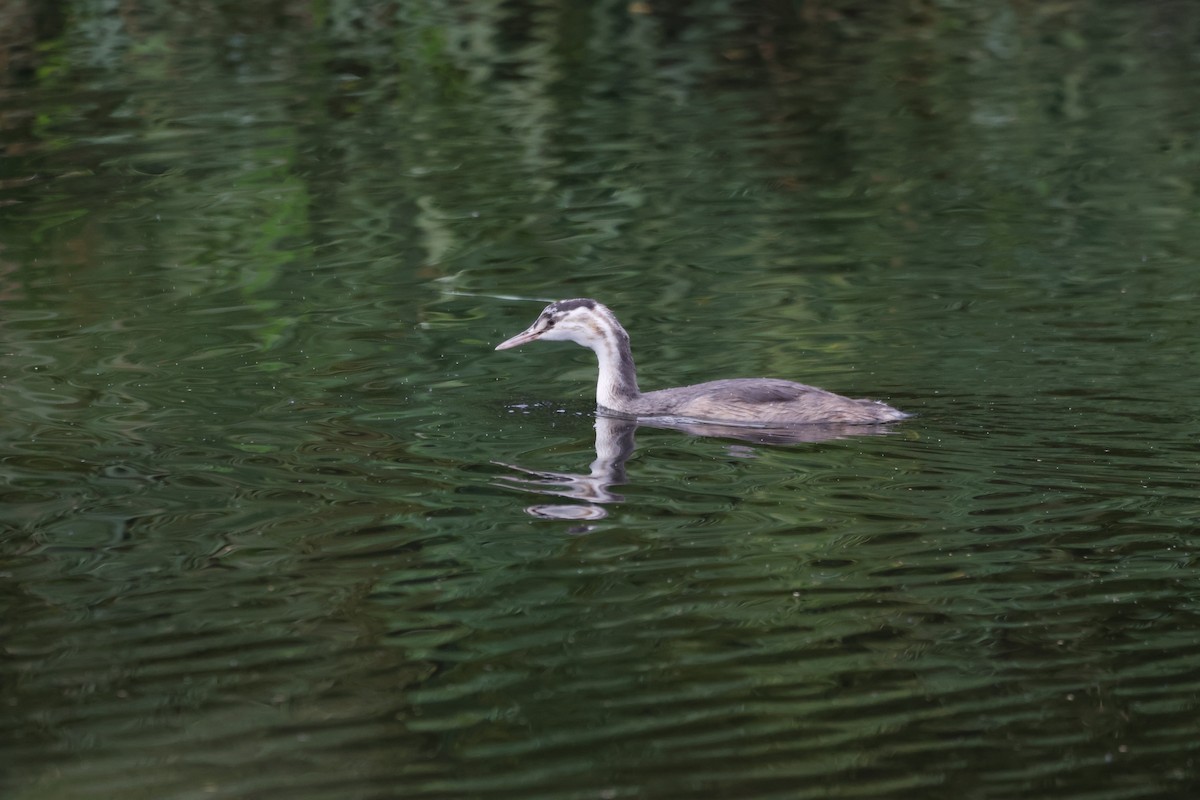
pixel 739 402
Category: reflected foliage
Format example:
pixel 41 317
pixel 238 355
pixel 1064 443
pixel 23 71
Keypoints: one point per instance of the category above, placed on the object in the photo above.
pixel 254 257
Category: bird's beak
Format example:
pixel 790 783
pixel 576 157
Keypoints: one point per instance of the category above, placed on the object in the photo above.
pixel 524 337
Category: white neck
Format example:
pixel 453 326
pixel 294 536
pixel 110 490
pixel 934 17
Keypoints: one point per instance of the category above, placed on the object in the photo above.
pixel 616 377
pixel 617 383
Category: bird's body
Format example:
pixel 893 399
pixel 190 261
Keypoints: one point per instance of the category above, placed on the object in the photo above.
pixel 759 402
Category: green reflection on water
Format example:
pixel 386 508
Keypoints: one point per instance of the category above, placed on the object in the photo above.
pixel 257 536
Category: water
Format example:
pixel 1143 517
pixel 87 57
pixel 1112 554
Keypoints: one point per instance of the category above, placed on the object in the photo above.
pixel 277 521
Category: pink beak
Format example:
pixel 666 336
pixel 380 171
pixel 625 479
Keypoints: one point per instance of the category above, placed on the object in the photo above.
pixel 521 338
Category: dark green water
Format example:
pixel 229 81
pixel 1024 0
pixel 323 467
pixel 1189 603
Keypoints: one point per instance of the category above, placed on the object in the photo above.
pixel 264 525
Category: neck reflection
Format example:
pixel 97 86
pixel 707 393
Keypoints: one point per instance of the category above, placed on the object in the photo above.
pixel 614 445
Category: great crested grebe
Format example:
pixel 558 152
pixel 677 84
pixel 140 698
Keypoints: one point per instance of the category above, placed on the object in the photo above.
pixel 741 401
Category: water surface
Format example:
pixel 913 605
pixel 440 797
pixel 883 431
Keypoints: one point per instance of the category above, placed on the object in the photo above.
pixel 270 502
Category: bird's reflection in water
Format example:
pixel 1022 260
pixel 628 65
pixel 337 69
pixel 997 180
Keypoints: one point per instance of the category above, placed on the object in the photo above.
pixel 614 446
pixel 615 443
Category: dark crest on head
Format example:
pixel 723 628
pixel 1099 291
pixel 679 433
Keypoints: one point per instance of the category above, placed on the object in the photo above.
pixel 563 306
